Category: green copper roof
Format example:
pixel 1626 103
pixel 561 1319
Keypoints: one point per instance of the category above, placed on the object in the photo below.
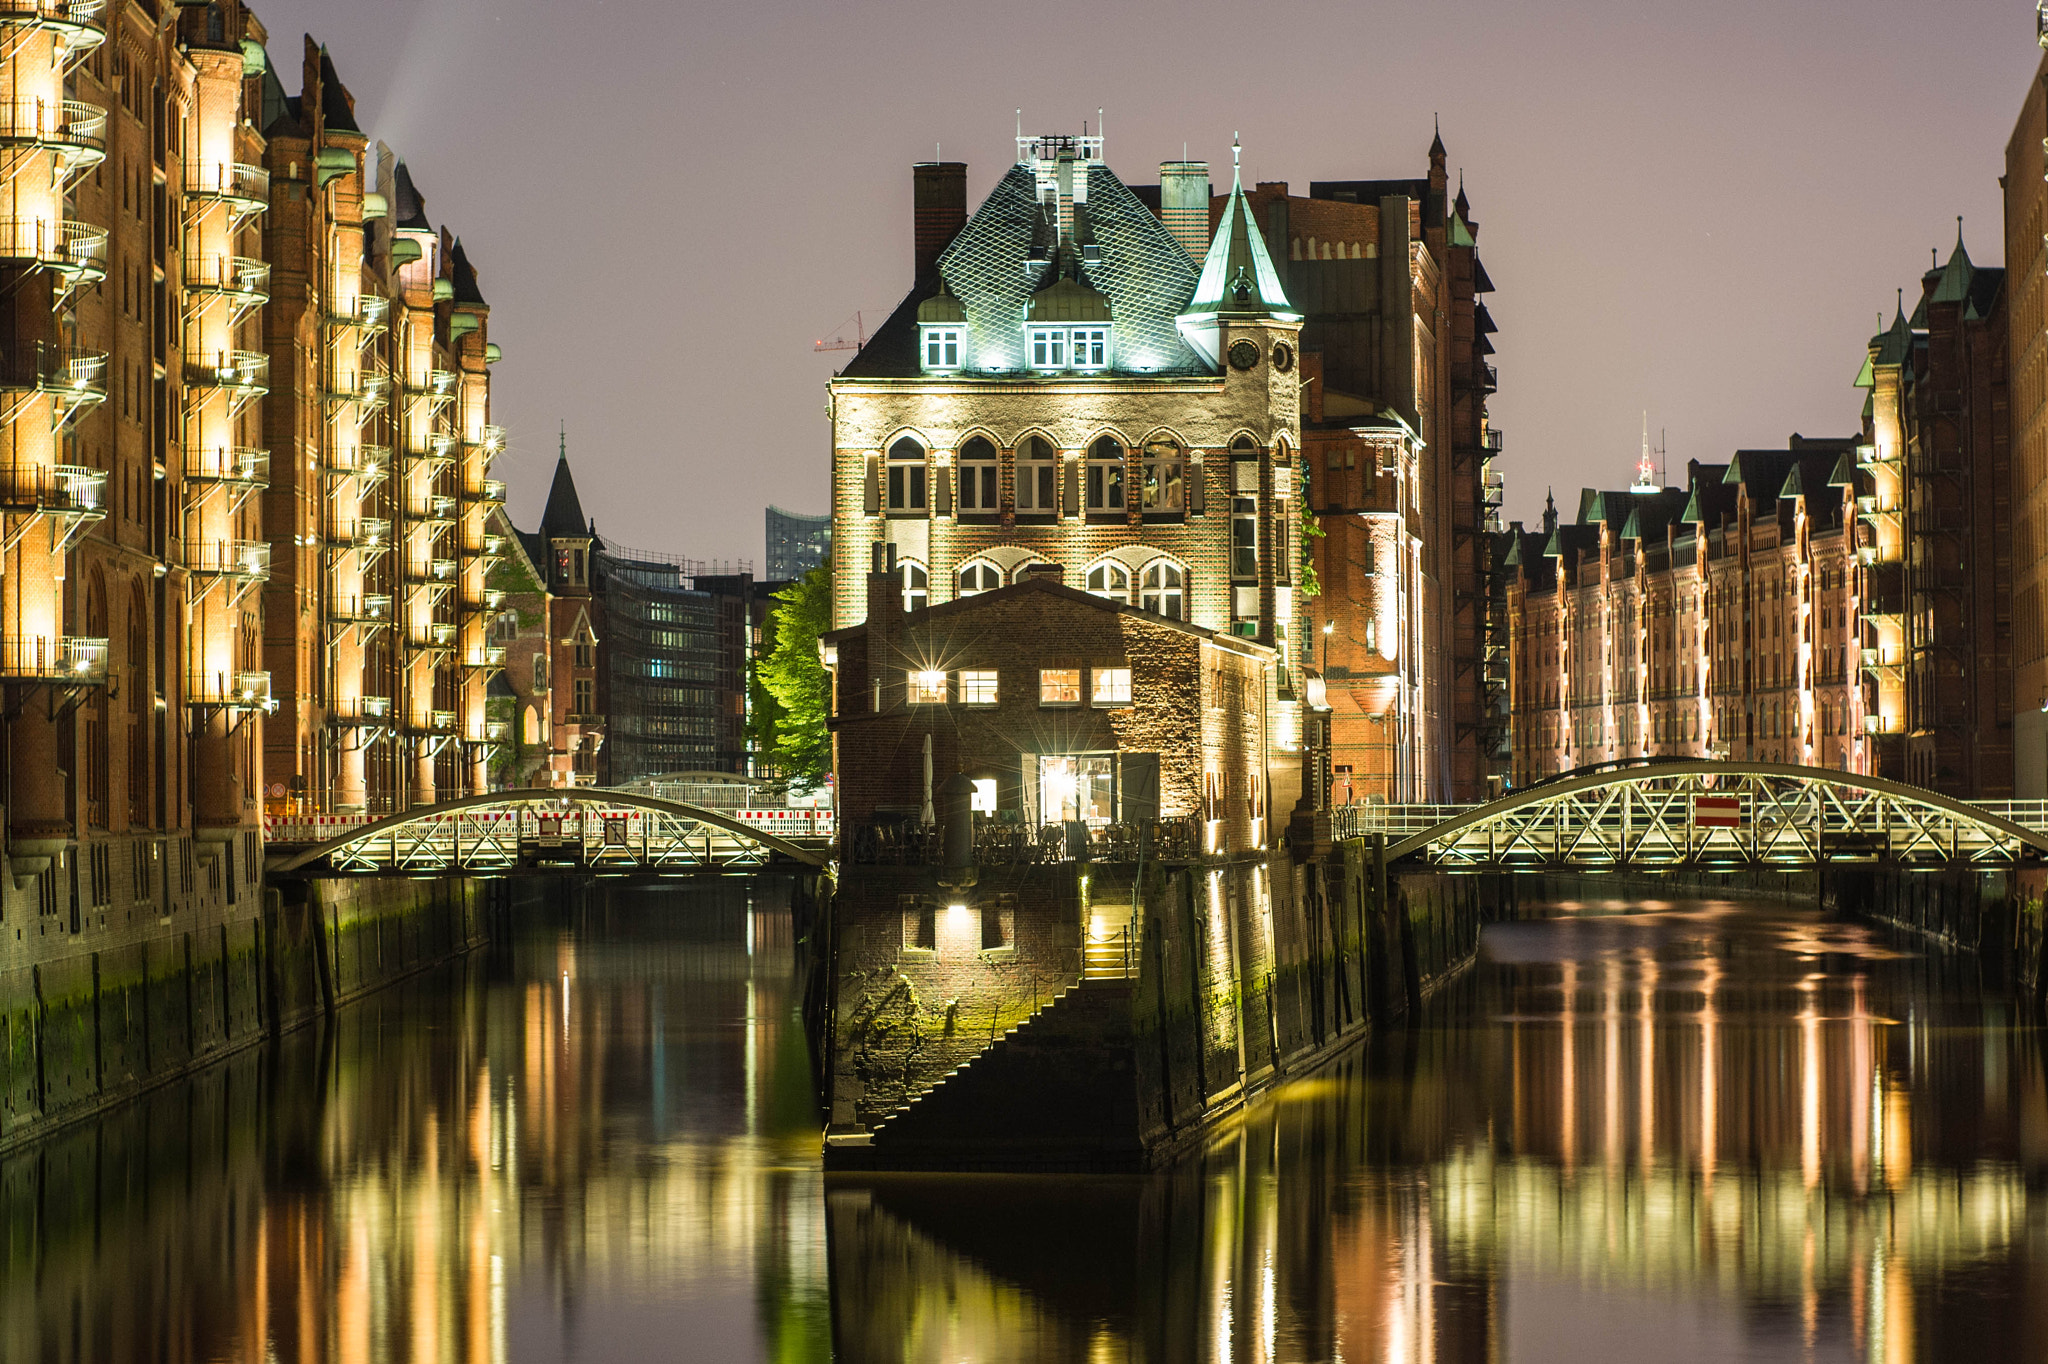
pixel 1844 474
pixel 1955 276
pixel 1238 275
pixel 1066 299
pixel 1793 486
pixel 1867 376
pixel 1692 514
pixel 1633 528
pixel 941 306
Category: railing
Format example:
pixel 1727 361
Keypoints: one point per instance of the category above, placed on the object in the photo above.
pixel 497 731
pixel 490 492
pixel 1111 954
pixel 433 509
pixel 492 440
pixel 435 383
pixel 246 371
pixel 75 659
pixel 76 247
pixel 1395 821
pixel 436 449
pixel 370 390
pixel 489 656
pixel 435 722
pixel 87 14
pixel 231 181
pixel 360 710
pixel 228 464
pixel 1489 378
pixel 372 312
pixel 248 559
pixel 241 277
pixel 430 571
pixel 368 532
pixel 243 691
pixel 54 487
pixel 432 635
pixel 71 126
pixel 375 606
pixel 69 373
pixel 1491 439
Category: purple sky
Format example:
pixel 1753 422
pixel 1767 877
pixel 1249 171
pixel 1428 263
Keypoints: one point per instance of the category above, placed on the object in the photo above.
pixel 1692 209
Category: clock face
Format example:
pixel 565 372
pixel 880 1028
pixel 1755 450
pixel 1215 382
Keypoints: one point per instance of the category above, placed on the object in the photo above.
pixel 1244 354
pixel 1283 357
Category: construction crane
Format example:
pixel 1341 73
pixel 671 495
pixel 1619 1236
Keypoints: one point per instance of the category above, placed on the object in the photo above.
pixel 839 341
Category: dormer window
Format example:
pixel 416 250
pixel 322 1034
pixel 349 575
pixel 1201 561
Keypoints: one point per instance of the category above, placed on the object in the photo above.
pixel 941 349
pixel 1048 348
pixel 1090 347
pixel 1058 348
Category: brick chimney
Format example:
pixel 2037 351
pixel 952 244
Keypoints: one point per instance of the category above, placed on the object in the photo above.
pixel 885 602
pixel 939 210
pixel 1184 204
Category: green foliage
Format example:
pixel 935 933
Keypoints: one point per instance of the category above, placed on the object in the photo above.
pixel 791 728
pixel 1311 531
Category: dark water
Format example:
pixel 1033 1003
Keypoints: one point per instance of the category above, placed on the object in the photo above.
pixel 1693 1131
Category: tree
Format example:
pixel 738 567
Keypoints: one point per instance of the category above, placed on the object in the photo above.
pixel 791 729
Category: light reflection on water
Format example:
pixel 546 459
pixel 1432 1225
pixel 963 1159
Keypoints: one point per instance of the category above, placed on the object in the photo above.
pixel 1689 1132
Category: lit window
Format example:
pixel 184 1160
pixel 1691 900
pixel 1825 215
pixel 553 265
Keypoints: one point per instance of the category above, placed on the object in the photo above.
pixel 1164 591
pixel 1110 580
pixel 1090 347
pixel 1165 477
pixel 906 476
pixel 979 482
pixel 1037 470
pixel 978 687
pixel 977 578
pixel 916 586
pixel 1106 476
pixel 1112 686
pixel 1048 348
pixel 927 688
pixel 1244 537
pixel 1059 686
pixel 942 348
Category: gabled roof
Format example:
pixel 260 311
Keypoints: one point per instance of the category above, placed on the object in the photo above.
pixel 564 515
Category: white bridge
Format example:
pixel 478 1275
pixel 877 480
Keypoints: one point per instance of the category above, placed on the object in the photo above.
pixel 587 829
pixel 1688 813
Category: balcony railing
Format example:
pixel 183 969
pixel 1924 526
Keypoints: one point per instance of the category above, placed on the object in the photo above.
pixel 238 464
pixel 242 691
pixel 241 186
pixel 434 721
pixel 74 659
pixel 490 492
pixel 367 462
pixel 72 376
pixel 76 19
pixel 365 532
pixel 244 279
pixel 493 441
pixel 240 559
pixel 489 656
pixel 77 249
pixel 438 384
pixel 371 312
pixel 369 389
pixel 1169 840
pixel 237 371
pixel 360 710
pixel 71 489
pixel 371 608
pixel 74 130
pixel 434 634
pixel 490 599
pixel 433 510
pixel 497 731
pixel 430 571
pixel 433 450
pixel 1491 439
pixel 1870 456
pixel 1489 378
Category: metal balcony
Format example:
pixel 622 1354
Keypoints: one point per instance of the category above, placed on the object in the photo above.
pixel 370 312
pixel 370 390
pixel 368 462
pixel 75 252
pixel 242 372
pixel 491 492
pixel 490 599
pixel 240 691
pixel 434 634
pixel 431 571
pixel 244 189
pixel 74 379
pixel 1489 379
pixel 360 710
pixel 489 656
pixel 1490 438
pixel 79 26
pixel 497 731
pixel 1871 456
pixel 232 464
pixel 433 450
pixel 435 510
pixel 438 722
pixel 65 489
pixel 241 560
pixel 73 659
pixel 71 130
pixel 370 609
pixel 437 384
pixel 492 440
pixel 366 532
pixel 243 280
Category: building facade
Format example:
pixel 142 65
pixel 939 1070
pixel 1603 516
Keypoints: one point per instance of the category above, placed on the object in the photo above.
pixel 377 603
pixel 2025 185
pixel 1719 620
pixel 1067 385
pixel 797 542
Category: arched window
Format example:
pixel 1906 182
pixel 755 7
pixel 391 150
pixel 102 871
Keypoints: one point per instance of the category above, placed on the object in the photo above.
pixel 978 577
pixel 1164 590
pixel 978 477
pixel 1111 580
pixel 1037 471
pixel 916 586
pixel 906 476
pixel 530 728
pixel 1165 475
pixel 1106 475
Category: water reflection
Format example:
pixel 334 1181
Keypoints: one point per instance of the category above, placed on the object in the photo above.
pixel 1697 1131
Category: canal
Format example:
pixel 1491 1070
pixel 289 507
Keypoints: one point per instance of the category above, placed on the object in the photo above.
pixel 1680 1131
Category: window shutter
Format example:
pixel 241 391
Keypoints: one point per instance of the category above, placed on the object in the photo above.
pixel 871 495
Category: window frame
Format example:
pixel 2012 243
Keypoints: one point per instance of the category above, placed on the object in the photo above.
pixel 1088 348
pixel 1047 684
pixel 908 480
pixel 948 343
pixel 1106 493
pixel 917 585
pixel 976 566
pixel 1118 684
pixel 970 463
pixel 979 686
pixel 925 687
pixel 1105 568
pixel 1042 475
pixel 1178 591
pixel 1047 348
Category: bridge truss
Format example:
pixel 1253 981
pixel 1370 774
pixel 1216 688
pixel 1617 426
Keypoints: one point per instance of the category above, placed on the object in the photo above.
pixel 600 831
pixel 1703 814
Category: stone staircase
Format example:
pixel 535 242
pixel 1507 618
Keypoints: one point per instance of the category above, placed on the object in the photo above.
pixel 1110 950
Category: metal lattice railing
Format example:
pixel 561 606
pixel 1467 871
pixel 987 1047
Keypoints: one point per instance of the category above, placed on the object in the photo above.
pixel 1712 814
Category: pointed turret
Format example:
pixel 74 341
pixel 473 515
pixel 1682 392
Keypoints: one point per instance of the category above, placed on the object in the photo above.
pixel 564 515
pixel 408 206
pixel 1954 286
pixel 1437 154
pixel 1549 512
pixel 1238 281
pixel 463 276
pixel 337 105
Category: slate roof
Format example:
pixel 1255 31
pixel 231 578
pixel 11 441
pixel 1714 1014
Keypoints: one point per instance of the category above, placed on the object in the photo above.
pixel 1004 255
pixel 564 514
pixel 337 106
pixel 463 277
pixel 408 207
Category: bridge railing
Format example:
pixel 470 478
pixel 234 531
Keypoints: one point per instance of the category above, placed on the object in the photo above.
pixel 1395 821
pixel 789 823
pixel 999 844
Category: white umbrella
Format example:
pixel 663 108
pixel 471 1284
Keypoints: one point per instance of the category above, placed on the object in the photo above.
pixel 929 817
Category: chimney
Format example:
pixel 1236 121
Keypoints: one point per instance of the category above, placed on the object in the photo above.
pixel 939 204
pixel 1184 204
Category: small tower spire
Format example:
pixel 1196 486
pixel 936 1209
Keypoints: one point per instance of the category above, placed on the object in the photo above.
pixel 1549 512
pixel 1646 471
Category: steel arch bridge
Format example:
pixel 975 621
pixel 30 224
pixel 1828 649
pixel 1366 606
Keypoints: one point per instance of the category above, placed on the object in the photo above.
pixel 544 829
pixel 1688 813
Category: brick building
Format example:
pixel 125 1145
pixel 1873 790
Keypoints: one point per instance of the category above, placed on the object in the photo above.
pixel 2025 185
pixel 571 676
pixel 376 600
pixel 1042 694
pixel 1718 620
pixel 1935 502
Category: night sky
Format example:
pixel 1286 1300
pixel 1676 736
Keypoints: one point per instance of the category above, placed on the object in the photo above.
pixel 1697 210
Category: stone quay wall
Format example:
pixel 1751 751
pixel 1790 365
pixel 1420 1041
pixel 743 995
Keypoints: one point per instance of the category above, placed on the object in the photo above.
pixel 93 1019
